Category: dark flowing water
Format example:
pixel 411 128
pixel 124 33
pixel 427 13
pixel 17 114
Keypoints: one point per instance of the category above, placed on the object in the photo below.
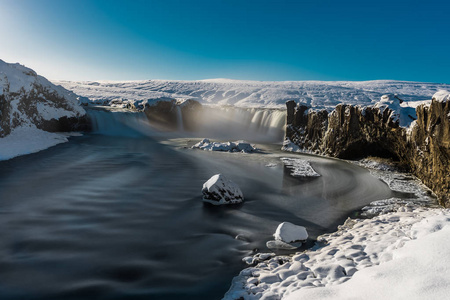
pixel 108 217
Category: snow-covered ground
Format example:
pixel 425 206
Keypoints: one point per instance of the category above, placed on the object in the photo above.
pixel 241 93
pixel 400 255
pixel 28 139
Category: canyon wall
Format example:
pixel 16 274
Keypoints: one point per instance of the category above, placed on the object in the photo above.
pixel 352 132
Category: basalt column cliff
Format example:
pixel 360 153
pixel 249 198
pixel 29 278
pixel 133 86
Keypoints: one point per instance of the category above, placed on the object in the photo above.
pixel 351 132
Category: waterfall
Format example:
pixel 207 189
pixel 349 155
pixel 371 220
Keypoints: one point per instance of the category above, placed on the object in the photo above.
pixel 251 124
pixel 180 126
pixel 226 123
pixel 119 123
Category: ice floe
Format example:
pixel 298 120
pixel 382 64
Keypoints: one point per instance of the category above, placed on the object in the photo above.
pixel 299 167
pixel 237 146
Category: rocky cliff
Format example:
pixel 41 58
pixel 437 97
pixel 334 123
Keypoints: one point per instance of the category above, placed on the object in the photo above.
pixel 27 99
pixel 352 132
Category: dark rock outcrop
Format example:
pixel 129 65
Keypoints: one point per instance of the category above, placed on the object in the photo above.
pixel 168 114
pixel 352 132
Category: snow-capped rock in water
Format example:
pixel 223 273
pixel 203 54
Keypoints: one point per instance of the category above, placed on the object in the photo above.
pixel 299 167
pixel 28 99
pixel 219 190
pixel 290 233
pixel 237 146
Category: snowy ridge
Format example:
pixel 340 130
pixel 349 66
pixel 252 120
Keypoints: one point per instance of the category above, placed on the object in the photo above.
pixel 270 94
pixel 29 102
pixel 16 79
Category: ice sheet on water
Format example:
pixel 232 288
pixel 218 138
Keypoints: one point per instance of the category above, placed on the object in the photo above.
pixel 299 167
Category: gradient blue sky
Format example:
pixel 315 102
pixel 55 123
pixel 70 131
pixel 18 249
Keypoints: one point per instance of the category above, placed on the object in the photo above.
pixel 258 40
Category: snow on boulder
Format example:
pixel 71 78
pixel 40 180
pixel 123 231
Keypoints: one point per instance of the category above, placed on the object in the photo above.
pixel 290 233
pixel 220 190
pixel 237 146
pixel 442 96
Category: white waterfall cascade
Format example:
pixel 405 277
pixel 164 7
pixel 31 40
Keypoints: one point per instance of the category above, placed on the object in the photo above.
pixel 180 126
pixel 253 124
pixel 119 123
pixel 222 123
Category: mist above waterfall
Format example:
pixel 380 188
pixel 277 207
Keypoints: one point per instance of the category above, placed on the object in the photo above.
pixel 258 125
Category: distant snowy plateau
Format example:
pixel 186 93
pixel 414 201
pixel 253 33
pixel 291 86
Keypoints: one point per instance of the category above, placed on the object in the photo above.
pixel 268 94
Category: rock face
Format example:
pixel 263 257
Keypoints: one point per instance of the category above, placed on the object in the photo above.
pixel 290 233
pixel 169 114
pixel 220 190
pixel 29 99
pixel 352 132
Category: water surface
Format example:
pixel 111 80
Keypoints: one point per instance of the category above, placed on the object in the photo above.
pixel 109 217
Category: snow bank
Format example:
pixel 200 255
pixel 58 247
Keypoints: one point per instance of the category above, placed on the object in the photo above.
pixel 399 255
pixel 28 139
pixel 419 270
pixel 299 167
pixel 442 96
pixel 415 193
pixel 402 114
pixel 237 146
pixel 219 190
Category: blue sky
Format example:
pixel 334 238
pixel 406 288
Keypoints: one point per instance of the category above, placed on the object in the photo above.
pixel 258 40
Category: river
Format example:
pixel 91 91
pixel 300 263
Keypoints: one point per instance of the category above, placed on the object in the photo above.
pixel 120 216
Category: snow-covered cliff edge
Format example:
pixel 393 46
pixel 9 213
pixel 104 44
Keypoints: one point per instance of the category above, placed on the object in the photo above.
pixel 30 108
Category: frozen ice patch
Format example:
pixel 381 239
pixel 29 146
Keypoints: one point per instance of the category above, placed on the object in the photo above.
pixel 299 167
pixel 237 146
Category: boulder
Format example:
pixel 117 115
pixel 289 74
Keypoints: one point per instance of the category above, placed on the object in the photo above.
pixel 290 233
pixel 219 190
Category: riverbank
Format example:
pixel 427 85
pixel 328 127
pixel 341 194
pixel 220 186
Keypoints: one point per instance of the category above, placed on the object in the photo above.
pixel 396 253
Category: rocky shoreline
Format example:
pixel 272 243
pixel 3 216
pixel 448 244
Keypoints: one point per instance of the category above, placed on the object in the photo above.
pixel 352 132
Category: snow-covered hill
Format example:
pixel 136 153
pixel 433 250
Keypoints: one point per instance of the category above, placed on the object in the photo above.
pixel 318 94
pixel 29 106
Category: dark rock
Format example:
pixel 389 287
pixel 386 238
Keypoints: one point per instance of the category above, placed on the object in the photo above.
pixel 352 132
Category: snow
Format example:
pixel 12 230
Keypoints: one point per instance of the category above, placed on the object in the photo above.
pixel 28 139
pixel 219 190
pixel 415 192
pixel 417 271
pixel 290 233
pixel 237 146
pixel 399 255
pixel 48 112
pixel 299 167
pixel 441 96
pixel 269 94
pixel 403 114
pixel 16 78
